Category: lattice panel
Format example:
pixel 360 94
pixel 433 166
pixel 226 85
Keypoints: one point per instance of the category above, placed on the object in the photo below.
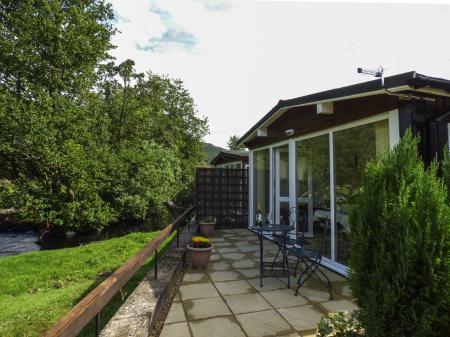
pixel 223 194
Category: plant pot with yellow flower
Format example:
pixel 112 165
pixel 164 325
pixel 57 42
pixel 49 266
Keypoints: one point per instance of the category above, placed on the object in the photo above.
pixel 207 225
pixel 200 251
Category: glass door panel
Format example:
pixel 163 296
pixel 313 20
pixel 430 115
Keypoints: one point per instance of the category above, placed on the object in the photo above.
pixel 281 184
pixel 353 149
pixel 313 190
pixel 261 184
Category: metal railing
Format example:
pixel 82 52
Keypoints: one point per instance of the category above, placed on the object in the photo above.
pixel 91 305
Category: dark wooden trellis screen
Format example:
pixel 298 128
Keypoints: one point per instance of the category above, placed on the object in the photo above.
pixel 223 194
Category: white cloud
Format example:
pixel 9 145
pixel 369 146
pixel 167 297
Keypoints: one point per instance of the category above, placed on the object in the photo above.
pixel 239 58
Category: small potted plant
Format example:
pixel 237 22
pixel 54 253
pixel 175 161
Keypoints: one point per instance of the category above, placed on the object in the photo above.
pixel 207 225
pixel 200 251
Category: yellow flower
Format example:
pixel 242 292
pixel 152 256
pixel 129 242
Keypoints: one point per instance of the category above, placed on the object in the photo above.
pixel 200 239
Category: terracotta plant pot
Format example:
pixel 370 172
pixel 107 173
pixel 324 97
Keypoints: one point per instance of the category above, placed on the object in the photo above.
pixel 207 228
pixel 199 256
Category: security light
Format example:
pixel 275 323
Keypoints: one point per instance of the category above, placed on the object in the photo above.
pixel 289 132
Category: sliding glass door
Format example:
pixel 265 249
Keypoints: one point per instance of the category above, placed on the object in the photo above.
pixel 321 176
pixel 313 188
pixel 281 169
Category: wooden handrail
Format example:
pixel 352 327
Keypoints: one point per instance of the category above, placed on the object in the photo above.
pixel 84 311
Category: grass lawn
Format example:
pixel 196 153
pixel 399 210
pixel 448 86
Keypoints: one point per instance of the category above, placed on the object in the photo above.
pixel 38 288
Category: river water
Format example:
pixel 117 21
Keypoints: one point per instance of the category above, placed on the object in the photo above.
pixel 16 243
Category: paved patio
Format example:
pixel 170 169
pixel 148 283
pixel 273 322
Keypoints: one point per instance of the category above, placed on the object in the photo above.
pixel 226 300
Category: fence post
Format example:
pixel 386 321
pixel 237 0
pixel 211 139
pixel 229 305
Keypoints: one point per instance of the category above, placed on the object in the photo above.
pixel 156 264
pixel 178 238
pixel 98 321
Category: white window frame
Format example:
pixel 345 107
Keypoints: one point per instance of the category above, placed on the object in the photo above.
pixel 394 137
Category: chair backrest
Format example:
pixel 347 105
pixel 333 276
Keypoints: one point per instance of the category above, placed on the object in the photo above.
pixel 294 220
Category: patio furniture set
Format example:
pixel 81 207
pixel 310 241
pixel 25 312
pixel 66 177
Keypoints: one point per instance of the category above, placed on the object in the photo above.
pixel 290 246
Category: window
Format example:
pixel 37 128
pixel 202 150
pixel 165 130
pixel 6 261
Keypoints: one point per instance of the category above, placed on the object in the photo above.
pixel 261 183
pixel 353 149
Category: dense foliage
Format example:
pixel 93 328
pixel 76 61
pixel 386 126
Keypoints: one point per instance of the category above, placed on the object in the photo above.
pixel 86 142
pixel 340 324
pixel 400 246
pixel 446 170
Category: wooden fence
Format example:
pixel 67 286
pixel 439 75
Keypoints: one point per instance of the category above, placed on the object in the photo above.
pixel 223 194
pixel 91 305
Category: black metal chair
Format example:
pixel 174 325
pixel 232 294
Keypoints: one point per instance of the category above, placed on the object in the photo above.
pixel 311 257
pixel 283 240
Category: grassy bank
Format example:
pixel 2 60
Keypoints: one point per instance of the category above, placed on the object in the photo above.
pixel 37 288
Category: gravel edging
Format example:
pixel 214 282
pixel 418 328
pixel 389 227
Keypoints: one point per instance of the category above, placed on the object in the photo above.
pixel 145 310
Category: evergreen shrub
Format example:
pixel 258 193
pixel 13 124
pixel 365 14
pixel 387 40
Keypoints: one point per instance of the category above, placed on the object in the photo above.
pixel 400 246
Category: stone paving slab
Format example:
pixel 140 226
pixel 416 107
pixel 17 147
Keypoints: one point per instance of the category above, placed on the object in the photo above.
pixel 264 323
pixel 197 290
pixel 269 283
pixel 224 275
pixel 176 313
pixel 243 303
pixel 247 263
pixel 333 306
pixel 225 300
pixel 176 330
pixel 303 317
pixel 205 308
pixel 283 298
pixel 234 287
pixel 216 327
pixel 248 273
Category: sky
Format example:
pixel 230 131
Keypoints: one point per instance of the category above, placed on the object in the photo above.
pixel 239 58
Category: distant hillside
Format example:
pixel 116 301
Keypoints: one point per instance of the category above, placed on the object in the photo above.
pixel 211 151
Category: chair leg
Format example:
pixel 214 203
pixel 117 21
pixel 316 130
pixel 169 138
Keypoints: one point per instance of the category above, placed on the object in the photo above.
pixel 300 282
pixel 275 259
pixel 328 281
pixel 310 269
pixel 296 266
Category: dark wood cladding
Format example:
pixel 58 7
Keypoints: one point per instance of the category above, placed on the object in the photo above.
pixel 429 120
pixel 304 120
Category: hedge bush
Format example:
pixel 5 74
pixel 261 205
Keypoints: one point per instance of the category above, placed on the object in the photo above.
pixel 400 246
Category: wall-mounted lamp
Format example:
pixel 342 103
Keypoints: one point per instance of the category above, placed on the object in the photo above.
pixel 289 132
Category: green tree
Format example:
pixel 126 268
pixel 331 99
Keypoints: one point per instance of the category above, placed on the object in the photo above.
pixel 49 51
pixel 86 142
pixel 233 143
pixel 400 246
pixel 156 136
pixel 446 169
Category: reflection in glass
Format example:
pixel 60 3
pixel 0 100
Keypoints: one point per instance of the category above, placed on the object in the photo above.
pixel 313 192
pixel 284 171
pixel 353 148
pixel 261 180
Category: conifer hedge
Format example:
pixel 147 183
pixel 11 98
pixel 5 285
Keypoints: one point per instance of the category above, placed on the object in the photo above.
pixel 400 246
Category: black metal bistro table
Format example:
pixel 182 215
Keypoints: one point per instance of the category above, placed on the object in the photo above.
pixel 273 229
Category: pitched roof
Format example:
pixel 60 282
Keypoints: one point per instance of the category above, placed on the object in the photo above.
pixel 229 154
pixel 406 81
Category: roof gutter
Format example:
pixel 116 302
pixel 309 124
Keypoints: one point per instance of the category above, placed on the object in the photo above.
pixel 420 81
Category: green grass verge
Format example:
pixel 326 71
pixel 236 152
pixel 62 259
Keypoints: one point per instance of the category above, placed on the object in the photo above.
pixel 38 288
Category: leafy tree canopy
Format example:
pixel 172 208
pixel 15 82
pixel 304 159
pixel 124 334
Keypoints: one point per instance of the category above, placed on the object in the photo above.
pixel 233 143
pixel 85 141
